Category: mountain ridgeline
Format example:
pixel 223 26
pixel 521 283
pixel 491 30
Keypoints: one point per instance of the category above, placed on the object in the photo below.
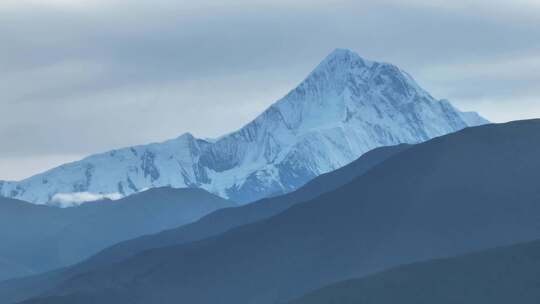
pixel 495 276
pixel 466 191
pixel 211 225
pixel 344 108
pixel 40 238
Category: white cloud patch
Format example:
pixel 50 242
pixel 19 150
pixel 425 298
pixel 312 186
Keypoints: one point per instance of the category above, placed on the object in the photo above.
pixel 77 198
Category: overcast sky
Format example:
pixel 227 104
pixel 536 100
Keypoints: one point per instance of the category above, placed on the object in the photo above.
pixel 85 76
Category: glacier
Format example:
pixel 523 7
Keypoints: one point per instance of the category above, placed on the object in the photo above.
pixel 345 107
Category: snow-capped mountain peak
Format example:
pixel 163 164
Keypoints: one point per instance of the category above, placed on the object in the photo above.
pixel 345 107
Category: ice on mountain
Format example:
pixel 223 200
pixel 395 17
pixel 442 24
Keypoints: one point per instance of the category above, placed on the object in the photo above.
pixel 345 107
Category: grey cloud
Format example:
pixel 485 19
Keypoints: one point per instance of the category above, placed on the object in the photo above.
pixel 104 74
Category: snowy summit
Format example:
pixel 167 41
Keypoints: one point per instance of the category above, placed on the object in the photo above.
pixel 344 108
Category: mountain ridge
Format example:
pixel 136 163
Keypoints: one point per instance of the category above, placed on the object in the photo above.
pixel 499 275
pixel 211 225
pixel 38 238
pixel 345 107
pixel 454 194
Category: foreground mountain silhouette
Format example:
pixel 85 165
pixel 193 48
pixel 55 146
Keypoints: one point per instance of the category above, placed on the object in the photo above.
pixel 40 238
pixel 495 276
pixel 210 225
pixel 458 193
pixel 344 108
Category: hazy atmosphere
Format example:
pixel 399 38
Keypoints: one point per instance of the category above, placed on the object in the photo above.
pixel 85 76
pixel 292 152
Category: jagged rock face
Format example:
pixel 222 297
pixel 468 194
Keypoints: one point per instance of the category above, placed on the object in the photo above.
pixel 344 108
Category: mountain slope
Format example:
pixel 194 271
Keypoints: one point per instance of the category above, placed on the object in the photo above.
pixel 210 225
pixel 496 276
pixel 471 190
pixel 23 230
pixel 228 218
pixel 40 238
pixel 344 108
